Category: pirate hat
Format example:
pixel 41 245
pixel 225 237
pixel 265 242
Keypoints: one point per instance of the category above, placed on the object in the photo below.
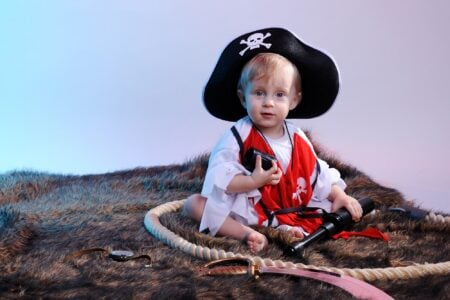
pixel 320 78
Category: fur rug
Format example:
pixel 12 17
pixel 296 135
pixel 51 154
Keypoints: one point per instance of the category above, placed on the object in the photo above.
pixel 45 217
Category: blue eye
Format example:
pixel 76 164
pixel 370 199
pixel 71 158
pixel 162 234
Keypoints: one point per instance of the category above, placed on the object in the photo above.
pixel 259 93
pixel 280 94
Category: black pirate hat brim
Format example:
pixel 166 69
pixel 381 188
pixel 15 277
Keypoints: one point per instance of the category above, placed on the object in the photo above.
pixel 320 77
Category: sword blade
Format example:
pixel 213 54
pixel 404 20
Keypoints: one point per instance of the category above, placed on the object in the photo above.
pixel 356 287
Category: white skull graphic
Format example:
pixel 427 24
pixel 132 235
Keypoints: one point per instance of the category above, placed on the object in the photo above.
pixel 255 41
pixel 301 188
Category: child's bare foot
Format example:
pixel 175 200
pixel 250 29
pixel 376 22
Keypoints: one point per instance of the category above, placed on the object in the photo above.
pixel 256 241
pixel 296 232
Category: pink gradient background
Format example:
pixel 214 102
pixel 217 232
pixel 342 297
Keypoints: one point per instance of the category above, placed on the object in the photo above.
pixel 99 86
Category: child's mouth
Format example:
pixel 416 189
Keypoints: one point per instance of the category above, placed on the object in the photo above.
pixel 266 115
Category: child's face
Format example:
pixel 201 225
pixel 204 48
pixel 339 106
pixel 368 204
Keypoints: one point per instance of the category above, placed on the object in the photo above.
pixel 269 99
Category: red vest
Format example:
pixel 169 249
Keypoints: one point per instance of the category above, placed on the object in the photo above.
pixel 294 188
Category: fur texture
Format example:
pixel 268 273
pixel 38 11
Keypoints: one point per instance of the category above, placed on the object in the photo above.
pixel 44 218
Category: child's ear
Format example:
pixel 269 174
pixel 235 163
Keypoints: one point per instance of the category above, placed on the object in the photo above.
pixel 241 97
pixel 296 101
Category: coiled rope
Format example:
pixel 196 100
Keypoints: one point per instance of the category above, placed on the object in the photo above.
pixel 154 226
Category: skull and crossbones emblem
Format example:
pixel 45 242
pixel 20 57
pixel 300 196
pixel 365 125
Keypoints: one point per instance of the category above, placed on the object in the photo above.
pixel 301 188
pixel 255 41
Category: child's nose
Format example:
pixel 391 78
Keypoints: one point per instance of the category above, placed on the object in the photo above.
pixel 268 101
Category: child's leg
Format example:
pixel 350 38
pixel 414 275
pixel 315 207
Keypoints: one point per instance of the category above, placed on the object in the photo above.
pixel 256 241
pixel 194 206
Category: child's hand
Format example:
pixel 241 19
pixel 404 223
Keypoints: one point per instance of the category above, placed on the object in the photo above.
pixel 341 199
pixel 263 177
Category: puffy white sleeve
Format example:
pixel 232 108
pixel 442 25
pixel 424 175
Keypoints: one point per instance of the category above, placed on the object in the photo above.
pixel 223 166
pixel 327 177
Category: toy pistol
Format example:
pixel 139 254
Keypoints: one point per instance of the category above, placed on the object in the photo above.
pixel 250 159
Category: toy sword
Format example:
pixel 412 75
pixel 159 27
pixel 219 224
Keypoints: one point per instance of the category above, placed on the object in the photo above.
pixel 242 266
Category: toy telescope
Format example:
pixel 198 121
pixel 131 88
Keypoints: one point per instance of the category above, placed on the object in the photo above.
pixel 332 223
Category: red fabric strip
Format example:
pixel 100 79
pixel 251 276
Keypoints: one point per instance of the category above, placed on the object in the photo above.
pixel 369 232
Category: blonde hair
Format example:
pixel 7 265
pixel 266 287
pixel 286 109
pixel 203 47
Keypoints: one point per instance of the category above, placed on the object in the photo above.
pixel 263 64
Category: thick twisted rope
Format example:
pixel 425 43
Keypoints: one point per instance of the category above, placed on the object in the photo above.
pixel 154 226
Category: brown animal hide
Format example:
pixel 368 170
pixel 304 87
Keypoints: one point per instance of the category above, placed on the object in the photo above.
pixel 45 217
